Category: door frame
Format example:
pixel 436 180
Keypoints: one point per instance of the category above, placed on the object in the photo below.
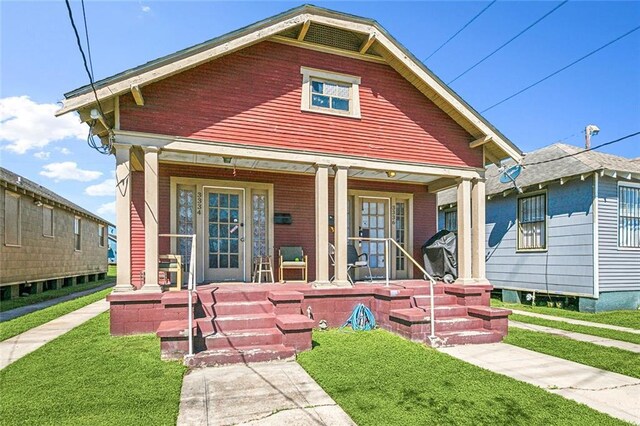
pixel 393 197
pixel 200 185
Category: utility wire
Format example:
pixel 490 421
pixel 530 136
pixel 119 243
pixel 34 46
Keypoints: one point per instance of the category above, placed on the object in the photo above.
pixel 86 33
pixel 104 149
pixel 460 30
pixel 584 150
pixel 512 39
pixel 561 69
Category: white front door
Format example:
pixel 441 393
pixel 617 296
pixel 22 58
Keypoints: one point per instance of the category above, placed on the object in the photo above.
pixel 373 222
pixel 225 234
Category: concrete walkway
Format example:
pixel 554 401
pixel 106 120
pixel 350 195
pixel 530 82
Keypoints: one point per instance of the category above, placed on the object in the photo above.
pixel 578 336
pixel 611 393
pixel 16 347
pixel 18 312
pixel 275 393
pixel 576 322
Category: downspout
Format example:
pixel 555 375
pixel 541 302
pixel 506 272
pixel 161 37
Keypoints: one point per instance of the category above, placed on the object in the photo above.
pixel 596 257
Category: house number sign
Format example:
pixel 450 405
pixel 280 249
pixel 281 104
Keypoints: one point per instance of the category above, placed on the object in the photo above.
pixel 199 203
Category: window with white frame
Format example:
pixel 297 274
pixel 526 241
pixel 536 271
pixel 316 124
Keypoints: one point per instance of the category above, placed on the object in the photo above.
pixel 532 222
pixel 12 219
pixel 629 216
pixel 77 233
pixel 330 93
pixel 451 220
pixel 47 221
pixel 101 235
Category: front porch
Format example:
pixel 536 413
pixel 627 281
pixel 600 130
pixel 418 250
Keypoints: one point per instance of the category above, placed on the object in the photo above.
pixel 239 322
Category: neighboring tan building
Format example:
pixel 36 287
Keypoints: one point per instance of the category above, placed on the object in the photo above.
pixel 48 242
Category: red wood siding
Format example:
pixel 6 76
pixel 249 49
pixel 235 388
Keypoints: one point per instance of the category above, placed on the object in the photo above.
pixel 294 194
pixel 253 97
pixel 136 183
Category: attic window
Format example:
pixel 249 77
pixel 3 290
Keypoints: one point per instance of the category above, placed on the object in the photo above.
pixel 330 93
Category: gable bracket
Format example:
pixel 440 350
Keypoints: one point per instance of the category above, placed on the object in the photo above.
pixel 304 29
pixel 137 94
pixel 367 43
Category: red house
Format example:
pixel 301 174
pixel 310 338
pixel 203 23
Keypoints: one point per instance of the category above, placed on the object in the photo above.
pixel 311 129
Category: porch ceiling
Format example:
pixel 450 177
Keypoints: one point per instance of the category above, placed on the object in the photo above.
pixel 292 167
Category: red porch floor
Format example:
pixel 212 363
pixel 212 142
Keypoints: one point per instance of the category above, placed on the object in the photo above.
pixel 239 322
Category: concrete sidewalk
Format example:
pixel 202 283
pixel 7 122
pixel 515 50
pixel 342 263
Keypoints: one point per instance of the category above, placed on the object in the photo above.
pixel 611 393
pixel 275 393
pixel 16 347
pixel 632 347
pixel 18 312
pixel 576 322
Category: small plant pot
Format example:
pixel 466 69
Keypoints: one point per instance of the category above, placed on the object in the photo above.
pixel 559 305
pixel 550 304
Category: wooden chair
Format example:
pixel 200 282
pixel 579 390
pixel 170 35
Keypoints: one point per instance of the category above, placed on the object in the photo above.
pixel 172 263
pixel 293 258
pixel 262 267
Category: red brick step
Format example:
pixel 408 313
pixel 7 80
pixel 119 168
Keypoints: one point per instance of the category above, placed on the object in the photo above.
pixel 234 339
pixel 247 354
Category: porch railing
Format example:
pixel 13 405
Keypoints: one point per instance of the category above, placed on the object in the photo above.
pixel 427 277
pixel 191 282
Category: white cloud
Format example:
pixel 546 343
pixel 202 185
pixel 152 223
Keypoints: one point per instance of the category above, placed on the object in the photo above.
pixel 64 151
pixel 28 125
pixel 42 155
pixel 145 9
pixel 102 189
pixel 107 209
pixel 68 170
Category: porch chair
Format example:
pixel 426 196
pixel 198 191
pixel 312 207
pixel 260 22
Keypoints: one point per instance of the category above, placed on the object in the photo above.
pixel 172 263
pixel 293 258
pixel 355 260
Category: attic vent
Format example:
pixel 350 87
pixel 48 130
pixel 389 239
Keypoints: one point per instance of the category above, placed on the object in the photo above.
pixel 333 37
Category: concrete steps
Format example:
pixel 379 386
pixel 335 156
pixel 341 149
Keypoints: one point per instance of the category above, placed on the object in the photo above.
pixel 245 354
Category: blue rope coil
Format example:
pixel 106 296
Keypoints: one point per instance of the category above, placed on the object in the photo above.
pixel 361 319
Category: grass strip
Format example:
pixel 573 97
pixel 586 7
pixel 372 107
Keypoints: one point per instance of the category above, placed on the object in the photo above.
pixel 7 305
pixel 593 331
pixel 26 322
pixel 604 358
pixel 629 319
pixel 88 377
pixel 380 378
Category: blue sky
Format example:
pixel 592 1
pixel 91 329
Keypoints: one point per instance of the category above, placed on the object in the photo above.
pixel 40 62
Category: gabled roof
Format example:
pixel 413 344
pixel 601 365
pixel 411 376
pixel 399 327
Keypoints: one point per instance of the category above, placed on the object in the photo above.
pixel 552 163
pixel 293 25
pixel 15 182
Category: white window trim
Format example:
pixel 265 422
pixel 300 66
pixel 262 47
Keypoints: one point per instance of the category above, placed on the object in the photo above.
pixel 79 233
pixel 311 73
pixel 546 223
pixel 19 197
pixel 628 185
pixel 44 206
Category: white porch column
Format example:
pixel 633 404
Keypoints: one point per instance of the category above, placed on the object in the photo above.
pixel 464 232
pixel 478 199
pixel 340 224
pixel 322 224
pixel 123 217
pixel 151 219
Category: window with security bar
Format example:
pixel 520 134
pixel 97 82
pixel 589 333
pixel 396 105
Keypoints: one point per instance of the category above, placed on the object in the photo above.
pixel 532 222
pixel 628 216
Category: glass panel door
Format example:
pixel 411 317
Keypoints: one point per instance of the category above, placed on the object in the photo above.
pixel 401 238
pixel 373 223
pixel 225 235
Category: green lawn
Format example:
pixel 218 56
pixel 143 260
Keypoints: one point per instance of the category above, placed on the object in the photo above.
pixel 26 322
pixel 382 379
pixel 604 358
pixel 89 377
pixel 19 302
pixel 630 319
pixel 593 331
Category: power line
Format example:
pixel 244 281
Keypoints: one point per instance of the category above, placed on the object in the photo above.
pixel 86 33
pixel 512 39
pixel 461 29
pixel 561 69
pixel 584 150
pixel 104 149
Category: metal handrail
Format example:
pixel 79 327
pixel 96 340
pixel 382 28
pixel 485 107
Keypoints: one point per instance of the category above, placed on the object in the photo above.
pixel 191 283
pixel 427 276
